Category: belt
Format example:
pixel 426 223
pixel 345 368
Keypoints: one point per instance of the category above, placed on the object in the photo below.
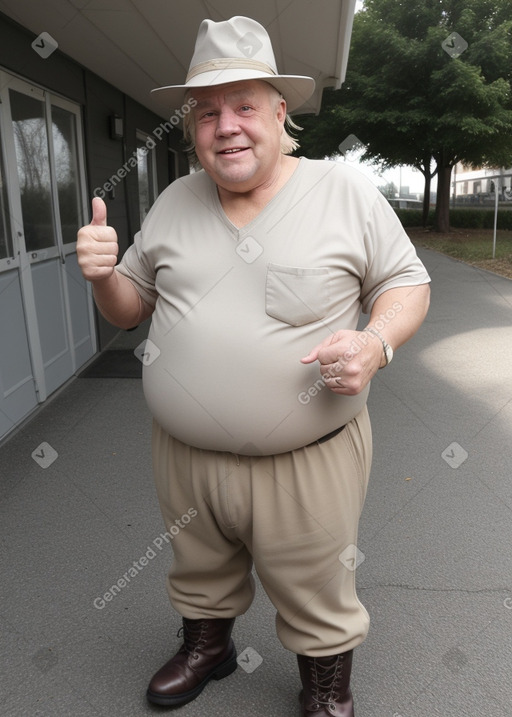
pixel 327 436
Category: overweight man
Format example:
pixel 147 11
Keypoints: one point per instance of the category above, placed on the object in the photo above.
pixel 255 271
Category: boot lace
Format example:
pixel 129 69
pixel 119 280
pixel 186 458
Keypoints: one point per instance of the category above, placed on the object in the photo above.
pixel 326 680
pixel 194 637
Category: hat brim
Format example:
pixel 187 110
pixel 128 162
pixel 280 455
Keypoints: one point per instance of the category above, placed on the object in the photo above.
pixel 296 89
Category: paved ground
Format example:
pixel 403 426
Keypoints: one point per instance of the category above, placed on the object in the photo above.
pixel 436 537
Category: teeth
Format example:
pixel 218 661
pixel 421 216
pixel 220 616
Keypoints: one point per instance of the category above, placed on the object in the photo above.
pixel 230 151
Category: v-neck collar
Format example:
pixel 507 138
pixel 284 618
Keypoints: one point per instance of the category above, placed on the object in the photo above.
pixel 240 231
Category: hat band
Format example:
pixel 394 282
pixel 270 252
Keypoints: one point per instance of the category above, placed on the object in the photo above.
pixel 233 63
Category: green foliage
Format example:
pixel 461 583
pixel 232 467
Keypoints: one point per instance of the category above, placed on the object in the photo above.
pixel 413 217
pixel 411 102
pixel 460 218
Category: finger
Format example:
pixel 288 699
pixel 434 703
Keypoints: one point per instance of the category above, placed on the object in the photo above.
pixel 331 354
pixel 99 212
pixel 312 355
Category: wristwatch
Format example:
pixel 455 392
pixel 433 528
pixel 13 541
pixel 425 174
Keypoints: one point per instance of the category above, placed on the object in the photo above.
pixel 388 351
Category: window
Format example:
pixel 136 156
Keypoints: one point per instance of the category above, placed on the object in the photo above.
pixel 65 152
pixel 6 249
pixel 46 146
pixel 146 173
pixel 33 161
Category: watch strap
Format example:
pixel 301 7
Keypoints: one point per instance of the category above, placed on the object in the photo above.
pixel 388 351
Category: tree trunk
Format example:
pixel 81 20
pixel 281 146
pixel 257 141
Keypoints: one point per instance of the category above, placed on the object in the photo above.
pixel 442 219
pixel 426 198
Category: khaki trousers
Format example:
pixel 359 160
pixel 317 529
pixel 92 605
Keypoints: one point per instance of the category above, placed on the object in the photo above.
pixel 294 516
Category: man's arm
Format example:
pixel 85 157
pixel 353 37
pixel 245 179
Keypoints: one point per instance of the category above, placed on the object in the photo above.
pixel 115 295
pixel 349 359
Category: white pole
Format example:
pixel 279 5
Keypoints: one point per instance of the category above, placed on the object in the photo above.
pixel 496 189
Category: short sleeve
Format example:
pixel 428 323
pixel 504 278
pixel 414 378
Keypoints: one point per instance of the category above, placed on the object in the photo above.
pixel 136 267
pixel 392 260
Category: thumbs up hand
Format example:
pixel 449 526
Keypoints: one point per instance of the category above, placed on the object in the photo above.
pixel 97 245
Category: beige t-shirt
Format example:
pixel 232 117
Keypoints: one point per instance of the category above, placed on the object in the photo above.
pixel 236 309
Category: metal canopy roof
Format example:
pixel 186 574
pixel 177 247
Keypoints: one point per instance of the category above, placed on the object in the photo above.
pixel 137 45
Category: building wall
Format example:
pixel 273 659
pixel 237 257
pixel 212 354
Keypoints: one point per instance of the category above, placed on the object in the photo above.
pixel 104 155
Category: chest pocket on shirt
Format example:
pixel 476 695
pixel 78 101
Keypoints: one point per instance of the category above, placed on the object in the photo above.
pixel 296 295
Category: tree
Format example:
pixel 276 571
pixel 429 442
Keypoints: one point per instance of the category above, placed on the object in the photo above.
pixel 429 82
pixel 389 190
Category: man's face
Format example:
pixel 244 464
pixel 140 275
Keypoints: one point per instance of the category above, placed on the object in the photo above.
pixel 238 129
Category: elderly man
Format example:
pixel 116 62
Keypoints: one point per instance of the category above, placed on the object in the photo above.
pixel 255 271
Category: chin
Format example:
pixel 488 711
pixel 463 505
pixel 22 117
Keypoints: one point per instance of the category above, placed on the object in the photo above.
pixel 235 179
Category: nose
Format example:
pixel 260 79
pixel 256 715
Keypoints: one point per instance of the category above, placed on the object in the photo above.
pixel 227 123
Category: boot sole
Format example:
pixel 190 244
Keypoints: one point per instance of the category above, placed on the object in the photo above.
pixel 223 670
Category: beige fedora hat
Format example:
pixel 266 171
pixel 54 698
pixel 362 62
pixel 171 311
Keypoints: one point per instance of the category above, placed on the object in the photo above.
pixel 234 50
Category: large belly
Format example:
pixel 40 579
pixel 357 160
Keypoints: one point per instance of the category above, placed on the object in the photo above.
pixel 242 390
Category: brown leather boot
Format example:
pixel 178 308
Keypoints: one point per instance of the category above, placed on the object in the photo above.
pixel 326 683
pixel 207 653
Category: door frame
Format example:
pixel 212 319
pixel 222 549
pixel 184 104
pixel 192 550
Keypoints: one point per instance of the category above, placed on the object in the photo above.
pixel 22 259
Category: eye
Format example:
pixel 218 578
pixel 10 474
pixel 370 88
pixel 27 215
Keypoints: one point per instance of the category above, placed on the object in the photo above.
pixel 245 108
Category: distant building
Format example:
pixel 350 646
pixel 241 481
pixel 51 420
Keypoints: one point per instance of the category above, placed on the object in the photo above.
pixel 476 186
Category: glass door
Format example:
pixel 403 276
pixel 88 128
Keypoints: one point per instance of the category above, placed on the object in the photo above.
pixel 18 395
pixel 43 153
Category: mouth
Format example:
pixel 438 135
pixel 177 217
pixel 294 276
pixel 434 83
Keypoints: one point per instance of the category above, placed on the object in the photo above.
pixel 232 151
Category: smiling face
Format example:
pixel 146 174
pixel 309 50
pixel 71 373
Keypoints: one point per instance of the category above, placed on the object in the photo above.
pixel 237 130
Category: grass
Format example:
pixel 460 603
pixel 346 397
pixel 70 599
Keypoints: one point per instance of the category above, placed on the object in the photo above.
pixel 472 246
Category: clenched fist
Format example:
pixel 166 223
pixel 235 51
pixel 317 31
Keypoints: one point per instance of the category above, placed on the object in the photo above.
pixel 97 245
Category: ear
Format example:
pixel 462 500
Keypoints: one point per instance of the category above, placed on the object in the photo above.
pixel 281 111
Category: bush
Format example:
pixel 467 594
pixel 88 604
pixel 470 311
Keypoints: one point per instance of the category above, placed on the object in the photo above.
pixel 413 217
pixel 460 218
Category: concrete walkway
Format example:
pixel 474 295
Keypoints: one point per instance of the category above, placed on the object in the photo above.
pixel 78 509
